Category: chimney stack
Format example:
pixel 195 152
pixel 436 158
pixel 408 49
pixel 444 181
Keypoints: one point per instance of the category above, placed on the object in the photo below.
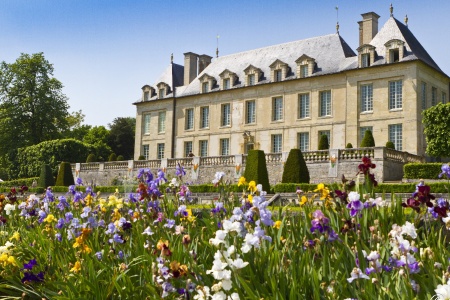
pixel 190 67
pixel 368 27
pixel 203 61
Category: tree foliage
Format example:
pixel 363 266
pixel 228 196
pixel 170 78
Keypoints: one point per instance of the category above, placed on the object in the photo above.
pixel 390 145
pixel 33 108
pixel 323 143
pixel 295 169
pixel 368 140
pixel 98 137
pixel 121 136
pixel 436 120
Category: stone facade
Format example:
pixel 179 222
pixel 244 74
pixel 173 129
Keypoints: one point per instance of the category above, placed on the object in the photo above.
pixel 199 170
pixel 286 96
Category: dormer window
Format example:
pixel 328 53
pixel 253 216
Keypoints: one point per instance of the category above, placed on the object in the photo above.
pixel 252 75
pixel 394 50
pixel 146 95
pixel 228 79
pixel 280 70
pixel 161 93
pixel 366 55
pixel 163 90
pixel 205 87
pixel 147 92
pixel 206 83
pixel 305 66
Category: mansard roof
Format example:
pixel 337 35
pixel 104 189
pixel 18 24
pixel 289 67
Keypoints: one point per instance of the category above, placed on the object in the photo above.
pixel 393 29
pixel 172 76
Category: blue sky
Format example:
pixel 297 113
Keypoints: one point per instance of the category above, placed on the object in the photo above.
pixel 105 51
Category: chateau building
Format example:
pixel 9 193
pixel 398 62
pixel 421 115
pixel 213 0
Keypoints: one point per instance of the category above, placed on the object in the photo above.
pixel 286 96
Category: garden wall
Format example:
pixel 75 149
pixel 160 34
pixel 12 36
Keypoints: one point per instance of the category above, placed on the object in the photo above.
pixel 324 166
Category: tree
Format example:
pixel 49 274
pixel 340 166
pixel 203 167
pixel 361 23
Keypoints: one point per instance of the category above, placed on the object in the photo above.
pixel 33 108
pixel 323 143
pixel 121 136
pixel 77 130
pixel 436 120
pixel 367 140
pixel 256 169
pixel 65 176
pixel 98 137
pixel 295 168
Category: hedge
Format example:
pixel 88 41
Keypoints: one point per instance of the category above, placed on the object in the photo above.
pixel 18 182
pixel 422 170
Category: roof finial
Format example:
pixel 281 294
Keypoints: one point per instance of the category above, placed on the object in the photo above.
pixel 406 20
pixel 217 49
pixel 337 27
pixel 391 9
pixel 337 19
pixel 171 58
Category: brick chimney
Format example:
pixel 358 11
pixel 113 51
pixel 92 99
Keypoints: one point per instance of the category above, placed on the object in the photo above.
pixel 368 27
pixel 190 67
pixel 203 61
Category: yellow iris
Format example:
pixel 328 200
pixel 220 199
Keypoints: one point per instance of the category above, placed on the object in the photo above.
pixel 303 200
pixel 250 198
pixel 15 236
pixel 76 268
pixel 242 181
pixel 50 218
pixel 323 190
pixel 252 186
pixel 277 224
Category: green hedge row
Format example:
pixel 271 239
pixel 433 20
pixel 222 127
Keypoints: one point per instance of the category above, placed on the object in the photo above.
pixel 420 170
pixel 18 182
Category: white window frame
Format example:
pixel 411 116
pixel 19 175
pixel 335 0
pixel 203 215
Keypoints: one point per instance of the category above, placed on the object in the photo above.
pixel 224 146
pixel 146 95
pixel 204 117
pixel 146 151
pixel 147 119
pixel 278 75
pixel 277 143
pixel 365 60
pixel 396 136
pixel 251 79
pixel 203 148
pixel 226 83
pixel 325 103
pixel 367 98
pixel 395 94
pixel 161 93
pixel 443 97
pixel 303 106
pixel 250 112
pixel 277 109
pixel 225 119
pixel 189 125
pixel 188 147
pixel 205 87
pixel 161 122
pixel 160 150
pixel 303 141
pixel 304 71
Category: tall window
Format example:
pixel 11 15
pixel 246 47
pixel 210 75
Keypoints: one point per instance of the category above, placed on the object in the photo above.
pixel 277 109
pixel 161 93
pixel 433 96
pixel 189 119
pixel 277 140
pixel 161 122
pixel 365 60
pixel 204 117
pixel 203 146
pixel 226 115
pixel 251 79
pixel 303 71
pixel 423 94
pixel 226 84
pixel 325 104
pixel 366 97
pixel 277 75
pixel 187 148
pixel 303 106
pixel 224 146
pixel 327 133
pixel 395 94
pixel 146 151
pixel 303 141
pixel 147 124
pixel 205 87
pixel 362 131
pixel 395 136
pixel 444 97
pixel 160 149
pixel 250 112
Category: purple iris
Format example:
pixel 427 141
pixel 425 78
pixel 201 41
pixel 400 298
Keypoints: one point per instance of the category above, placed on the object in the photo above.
pixel 445 171
pixel 355 205
pixel 30 277
pixel 179 171
pixel 30 264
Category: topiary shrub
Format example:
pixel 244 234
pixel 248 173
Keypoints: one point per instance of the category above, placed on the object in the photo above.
pixel 65 176
pixel 46 178
pixel 323 143
pixel 141 157
pixel 367 140
pixel 390 145
pixel 295 169
pixel 120 158
pixel 256 169
pixel 349 146
pixel 90 158
pixel 112 157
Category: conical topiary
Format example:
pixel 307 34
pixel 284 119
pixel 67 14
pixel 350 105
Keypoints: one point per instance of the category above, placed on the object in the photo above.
pixel 349 146
pixel 323 143
pixel 112 157
pixel 46 178
pixel 141 157
pixel 390 145
pixel 256 169
pixel 295 169
pixel 367 140
pixel 90 158
pixel 65 176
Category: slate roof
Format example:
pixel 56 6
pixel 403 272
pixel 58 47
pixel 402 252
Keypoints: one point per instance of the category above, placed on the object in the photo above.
pixel 173 75
pixel 394 29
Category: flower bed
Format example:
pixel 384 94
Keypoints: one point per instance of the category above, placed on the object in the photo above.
pixel 149 245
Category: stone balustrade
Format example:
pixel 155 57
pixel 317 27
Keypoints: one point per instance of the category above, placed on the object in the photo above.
pixel 389 166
